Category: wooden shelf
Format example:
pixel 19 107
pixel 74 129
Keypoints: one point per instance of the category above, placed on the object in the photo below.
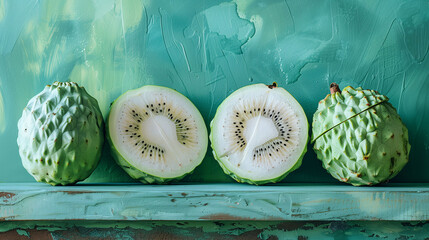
pixel 223 201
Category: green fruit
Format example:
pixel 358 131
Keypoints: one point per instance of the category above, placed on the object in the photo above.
pixel 359 136
pixel 60 134
pixel 156 134
pixel 259 134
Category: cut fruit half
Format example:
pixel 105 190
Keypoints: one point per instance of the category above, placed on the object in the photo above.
pixel 259 134
pixel 156 134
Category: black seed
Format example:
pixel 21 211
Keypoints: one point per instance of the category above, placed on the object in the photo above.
pixel 150 155
pixel 250 112
pixel 259 109
pixel 168 110
pixel 269 154
pixel 126 130
pixel 139 136
pixel 131 136
pixel 284 144
pixel 244 111
pixel 147 113
pixel 142 141
pixel 136 144
pixel 142 151
pixel 151 105
pixel 138 121
pixel 153 110
pixel 134 134
pixel 131 125
pixel 184 120
pixel 147 106
pixel 159 104
pixel 290 129
pixel 134 111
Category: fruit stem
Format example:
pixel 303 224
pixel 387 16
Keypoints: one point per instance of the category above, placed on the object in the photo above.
pixel 274 85
pixel 334 88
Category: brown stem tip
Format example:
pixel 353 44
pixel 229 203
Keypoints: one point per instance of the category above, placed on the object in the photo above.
pixel 334 88
pixel 274 85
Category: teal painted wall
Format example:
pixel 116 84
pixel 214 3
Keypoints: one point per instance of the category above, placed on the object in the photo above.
pixel 206 50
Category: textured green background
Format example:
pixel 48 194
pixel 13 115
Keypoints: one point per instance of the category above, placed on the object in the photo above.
pixel 206 50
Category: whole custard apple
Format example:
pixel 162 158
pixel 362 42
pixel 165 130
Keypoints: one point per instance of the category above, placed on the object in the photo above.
pixel 359 136
pixel 60 134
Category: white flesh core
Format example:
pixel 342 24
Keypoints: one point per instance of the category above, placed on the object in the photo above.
pixel 259 145
pixel 158 131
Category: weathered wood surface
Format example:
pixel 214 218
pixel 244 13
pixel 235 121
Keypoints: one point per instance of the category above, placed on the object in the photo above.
pixel 215 202
pixel 243 230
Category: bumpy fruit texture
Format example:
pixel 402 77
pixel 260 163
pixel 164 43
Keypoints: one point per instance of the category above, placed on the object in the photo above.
pixel 60 134
pixel 359 137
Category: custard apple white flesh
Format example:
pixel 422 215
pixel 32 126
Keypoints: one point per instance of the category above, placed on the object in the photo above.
pixel 156 134
pixel 259 134
pixel 60 134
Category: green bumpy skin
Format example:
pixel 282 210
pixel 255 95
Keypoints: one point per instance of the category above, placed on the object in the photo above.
pixel 61 134
pixel 359 137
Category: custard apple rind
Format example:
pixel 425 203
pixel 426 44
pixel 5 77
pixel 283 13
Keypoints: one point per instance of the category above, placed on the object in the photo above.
pixel 338 107
pixel 60 134
pixel 367 149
